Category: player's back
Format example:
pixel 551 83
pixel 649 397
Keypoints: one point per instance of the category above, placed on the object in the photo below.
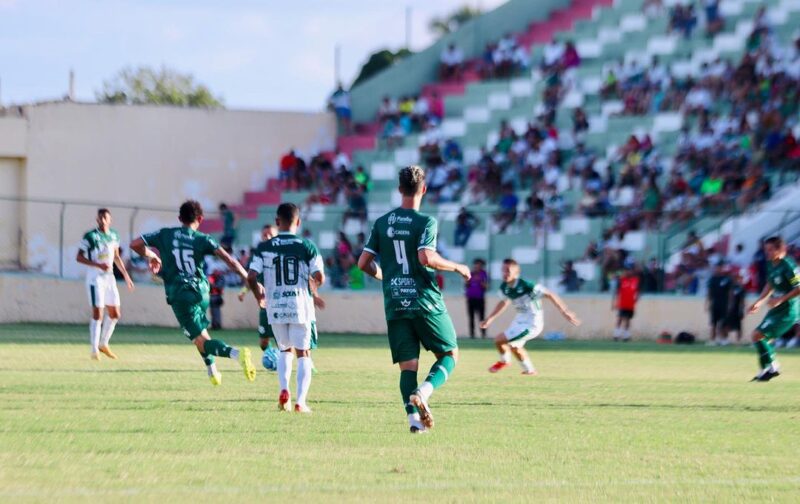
pixel 409 288
pixel 182 251
pixel 286 263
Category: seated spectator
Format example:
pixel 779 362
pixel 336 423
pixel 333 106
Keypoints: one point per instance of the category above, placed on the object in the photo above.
pixel 421 113
pixel 362 179
pixel 552 55
pixel 466 222
pixel 356 205
pixel 714 21
pixel 340 102
pixel 387 109
pixel 569 278
pixel 451 63
pixel 288 164
pixel 521 60
pixel 507 213
pixel 570 58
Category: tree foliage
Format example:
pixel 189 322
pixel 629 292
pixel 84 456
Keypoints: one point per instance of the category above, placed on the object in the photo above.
pixel 453 21
pixel 163 86
pixel 379 61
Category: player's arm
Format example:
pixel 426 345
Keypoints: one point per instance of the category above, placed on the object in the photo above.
pixel 562 307
pixel 367 264
pixel 431 259
pixel 251 284
pixel 121 265
pixel 232 263
pixel 765 293
pixel 83 260
pixel 773 302
pixel 500 308
pixel 140 247
pixel 317 279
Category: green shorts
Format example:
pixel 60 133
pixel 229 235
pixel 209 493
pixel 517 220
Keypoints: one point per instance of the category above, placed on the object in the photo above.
pixel 265 330
pixel 435 332
pixel 776 325
pixel 192 317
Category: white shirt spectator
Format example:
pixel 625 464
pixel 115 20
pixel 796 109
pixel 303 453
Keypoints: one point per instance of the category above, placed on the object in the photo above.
pixel 699 97
pixel 551 174
pixel 552 53
pixel 421 106
pixel 438 177
pixel 658 75
pixel 704 140
pixel 451 56
pixel 342 159
pixel 536 158
pixel 521 57
pixel 387 107
pixel 507 44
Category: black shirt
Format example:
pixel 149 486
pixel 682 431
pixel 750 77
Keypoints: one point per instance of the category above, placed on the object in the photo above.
pixel 719 287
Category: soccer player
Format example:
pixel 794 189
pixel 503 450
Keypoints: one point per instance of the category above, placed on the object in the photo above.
pixel 780 294
pixel 527 300
pixel 182 250
pixel 99 250
pixel 625 301
pixel 292 270
pixel 404 241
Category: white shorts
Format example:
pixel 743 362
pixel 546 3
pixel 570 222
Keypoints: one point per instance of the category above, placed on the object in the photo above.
pixel 297 336
pixel 102 291
pixel 523 329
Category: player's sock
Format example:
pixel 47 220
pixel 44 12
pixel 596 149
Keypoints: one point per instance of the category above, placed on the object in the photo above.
pixel 617 333
pixel 220 349
pixel 94 334
pixel 626 334
pixel 414 421
pixel 408 384
pixel 505 357
pixel 284 369
pixel 108 329
pixel 766 354
pixel 210 363
pixel 303 379
pixel 438 375
pixel 526 365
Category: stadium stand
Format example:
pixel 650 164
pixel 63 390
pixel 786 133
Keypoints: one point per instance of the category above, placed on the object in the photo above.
pixel 604 133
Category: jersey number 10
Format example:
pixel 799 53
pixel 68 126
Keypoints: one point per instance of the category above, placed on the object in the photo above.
pixel 286 270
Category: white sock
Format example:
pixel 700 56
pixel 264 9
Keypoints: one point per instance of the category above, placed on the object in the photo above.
pixel 617 332
pixel 303 379
pixel 414 420
pixel 108 329
pixel 775 366
pixel 212 369
pixel 234 353
pixel 505 357
pixel 626 334
pixel 527 365
pixel 284 369
pixel 94 333
pixel 425 390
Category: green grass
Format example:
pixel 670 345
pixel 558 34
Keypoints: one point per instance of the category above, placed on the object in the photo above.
pixel 608 422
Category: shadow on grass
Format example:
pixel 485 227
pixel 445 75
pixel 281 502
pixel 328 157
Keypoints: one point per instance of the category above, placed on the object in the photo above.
pixel 48 334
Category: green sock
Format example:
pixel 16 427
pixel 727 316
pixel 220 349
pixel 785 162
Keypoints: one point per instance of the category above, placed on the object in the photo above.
pixel 208 360
pixel 408 384
pixel 217 347
pixel 766 354
pixel 440 371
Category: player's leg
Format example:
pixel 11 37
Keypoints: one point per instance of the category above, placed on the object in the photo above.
pixel 285 360
pixel 264 330
pixel 112 317
pixel 626 323
pixel 472 311
pixel 501 343
pixel 300 335
pixel 96 323
pixel 438 335
pixel 770 328
pixel 525 331
pixel 404 346
pixel 482 314
pixel 618 327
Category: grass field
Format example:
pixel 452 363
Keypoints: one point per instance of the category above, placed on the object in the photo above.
pixel 603 421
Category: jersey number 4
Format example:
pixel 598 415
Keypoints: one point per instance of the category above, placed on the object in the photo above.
pixel 400 255
pixel 287 270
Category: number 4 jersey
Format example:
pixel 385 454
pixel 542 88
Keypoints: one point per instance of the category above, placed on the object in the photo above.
pixel 287 263
pixel 409 288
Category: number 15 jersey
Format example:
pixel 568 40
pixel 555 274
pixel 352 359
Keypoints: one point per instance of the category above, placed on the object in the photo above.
pixel 409 288
pixel 287 263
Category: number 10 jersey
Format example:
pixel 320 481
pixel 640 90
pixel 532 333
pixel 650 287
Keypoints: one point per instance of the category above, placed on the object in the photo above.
pixel 409 288
pixel 287 263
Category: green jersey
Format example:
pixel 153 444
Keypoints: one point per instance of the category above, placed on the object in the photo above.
pixel 783 278
pixel 526 297
pixel 182 252
pixel 287 263
pixel 99 247
pixel 409 288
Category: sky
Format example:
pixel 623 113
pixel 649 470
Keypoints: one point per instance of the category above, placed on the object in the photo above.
pixel 256 54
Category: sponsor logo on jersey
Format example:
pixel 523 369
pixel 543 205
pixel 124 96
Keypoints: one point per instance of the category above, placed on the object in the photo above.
pixel 395 219
pixel 281 242
pixel 405 303
pixel 392 232
pixel 403 282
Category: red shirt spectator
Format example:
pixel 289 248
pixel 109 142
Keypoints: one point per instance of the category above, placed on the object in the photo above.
pixel 436 105
pixel 288 161
pixel 571 58
pixel 628 292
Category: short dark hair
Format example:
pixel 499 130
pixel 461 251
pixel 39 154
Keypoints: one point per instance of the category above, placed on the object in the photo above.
pixel 480 261
pixel 775 241
pixel 412 179
pixel 288 213
pixel 190 211
pixel 510 262
pixel 103 211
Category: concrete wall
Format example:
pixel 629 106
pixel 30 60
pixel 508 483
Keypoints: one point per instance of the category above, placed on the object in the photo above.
pixel 29 298
pixel 145 156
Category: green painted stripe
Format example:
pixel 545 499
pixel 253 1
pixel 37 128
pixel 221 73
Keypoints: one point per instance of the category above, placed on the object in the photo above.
pixel 93 295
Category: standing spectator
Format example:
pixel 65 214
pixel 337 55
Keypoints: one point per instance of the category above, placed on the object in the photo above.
pixel 625 301
pixel 717 298
pixel 228 226
pixel 288 165
pixel 476 288
pixel 361 178
pixel 356 205
pixel 451 61
pixel 340 102
pixel 466 222
pixel 738 259
pixel 570 58
pixel 733 320
pixel 216 283
pixel 652 277
pixel 569 278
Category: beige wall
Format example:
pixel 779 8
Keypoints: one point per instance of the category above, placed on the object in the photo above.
pixel 42 299
pixel 13 138
pixel 146 156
